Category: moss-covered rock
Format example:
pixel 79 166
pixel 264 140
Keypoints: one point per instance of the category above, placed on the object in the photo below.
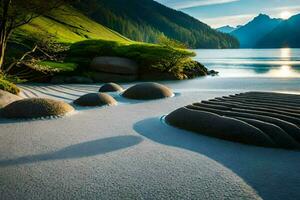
pixel 141 58
pixel 35 108
pixel 8 86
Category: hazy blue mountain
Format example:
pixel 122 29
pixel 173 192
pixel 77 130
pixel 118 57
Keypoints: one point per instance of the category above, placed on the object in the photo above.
pixel 249 34
pixel 286 34
pixel 226 29
pixel 148 21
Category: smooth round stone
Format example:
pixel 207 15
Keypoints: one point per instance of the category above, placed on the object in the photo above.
pixel 114 65
pixel 7 98
pixel 95 99
pixel 36 108
pixel 111 87
pixel 148 91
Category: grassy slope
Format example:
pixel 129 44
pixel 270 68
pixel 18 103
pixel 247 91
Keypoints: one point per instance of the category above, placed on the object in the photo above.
pixel 66 25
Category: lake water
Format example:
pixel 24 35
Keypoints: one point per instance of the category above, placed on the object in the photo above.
pixel 277 63
pixel 246 70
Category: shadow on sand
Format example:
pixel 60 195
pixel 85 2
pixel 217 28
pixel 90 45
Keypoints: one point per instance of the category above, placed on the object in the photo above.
pixel 264 169
pixel 85 149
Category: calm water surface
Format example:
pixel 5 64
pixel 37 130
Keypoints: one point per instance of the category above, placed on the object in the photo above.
pixel 247 70
pixel 277 63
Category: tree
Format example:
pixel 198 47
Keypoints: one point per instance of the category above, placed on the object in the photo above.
pixel 16 13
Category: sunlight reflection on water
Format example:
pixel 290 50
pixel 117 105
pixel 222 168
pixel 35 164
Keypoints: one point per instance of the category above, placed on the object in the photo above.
pixel 285 53
pixel 276 63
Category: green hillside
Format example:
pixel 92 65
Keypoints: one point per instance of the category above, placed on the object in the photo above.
pixel 66 25
pixel 63 26
pixel 147 21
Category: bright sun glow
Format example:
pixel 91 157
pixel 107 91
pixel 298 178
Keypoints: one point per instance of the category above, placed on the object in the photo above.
pixel 285 53
pixel 284 71
pixel 285 15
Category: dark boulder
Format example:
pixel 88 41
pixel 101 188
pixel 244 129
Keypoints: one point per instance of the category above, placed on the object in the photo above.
pixel 114 65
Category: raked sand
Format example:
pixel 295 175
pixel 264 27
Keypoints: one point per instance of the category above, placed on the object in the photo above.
pixel 127 152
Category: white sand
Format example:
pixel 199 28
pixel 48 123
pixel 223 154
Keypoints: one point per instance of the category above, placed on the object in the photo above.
pixel 126 152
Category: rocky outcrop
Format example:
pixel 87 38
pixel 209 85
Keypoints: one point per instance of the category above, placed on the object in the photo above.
pixel 114 65
pixel 115 69
pixel 256 118
pixel 148 91
pixel 35 108
pixel 111 87
pixel 7 98
pixel 95 99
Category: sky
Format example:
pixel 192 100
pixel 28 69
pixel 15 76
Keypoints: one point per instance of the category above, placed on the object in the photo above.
pixel 217 13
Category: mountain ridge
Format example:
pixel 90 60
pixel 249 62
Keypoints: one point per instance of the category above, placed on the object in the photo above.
pixel 286 34
pixel 226 29
pixel 249 34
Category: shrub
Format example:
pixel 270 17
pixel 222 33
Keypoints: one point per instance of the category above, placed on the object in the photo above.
pixel 146 55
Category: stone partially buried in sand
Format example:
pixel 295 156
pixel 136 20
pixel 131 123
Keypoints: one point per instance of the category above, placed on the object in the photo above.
pixel 95 99
pixel 260 119
pixel 35 108
pixel 218 126
pixel 111 87
pixel 148 91
pixel 7 98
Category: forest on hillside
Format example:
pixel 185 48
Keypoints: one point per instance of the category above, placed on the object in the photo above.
pixel 148 21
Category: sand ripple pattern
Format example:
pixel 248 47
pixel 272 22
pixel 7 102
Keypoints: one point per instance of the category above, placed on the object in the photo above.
pixel 255 118
pixel 66 93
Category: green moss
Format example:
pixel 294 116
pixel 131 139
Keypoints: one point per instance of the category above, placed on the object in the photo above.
pixel 8 86
pixel 57 66
pixel 147 55
pixel 150 57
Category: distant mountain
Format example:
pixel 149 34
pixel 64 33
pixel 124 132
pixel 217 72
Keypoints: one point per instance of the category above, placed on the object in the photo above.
pixel 286 34
pixel 226 29
pixel 249 34
pixel 148 21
